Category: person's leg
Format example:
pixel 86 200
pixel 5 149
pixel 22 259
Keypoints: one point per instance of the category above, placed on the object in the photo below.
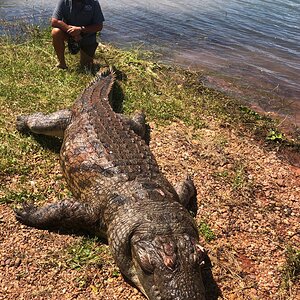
pixel 87 53
pixel 58 39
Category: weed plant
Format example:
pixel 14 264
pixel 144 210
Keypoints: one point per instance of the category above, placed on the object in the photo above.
pixel 87 252
pixel 291 269
pixel 205 231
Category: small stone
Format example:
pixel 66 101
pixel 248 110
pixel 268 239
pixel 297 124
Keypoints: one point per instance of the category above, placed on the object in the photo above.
pixel 7 262
pixel 17 262
pixel 253 292
pixel 259 216
pixel 280 182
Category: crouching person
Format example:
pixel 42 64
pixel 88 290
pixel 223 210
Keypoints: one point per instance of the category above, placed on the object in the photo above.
pixel 76 22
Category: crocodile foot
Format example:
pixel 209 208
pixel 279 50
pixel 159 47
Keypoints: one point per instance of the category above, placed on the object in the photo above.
pixel 140 119
pixel 21 123
pixel 64 214
pixel 25 213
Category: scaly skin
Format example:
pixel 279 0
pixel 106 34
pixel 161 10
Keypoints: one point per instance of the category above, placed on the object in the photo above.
pixel 120 194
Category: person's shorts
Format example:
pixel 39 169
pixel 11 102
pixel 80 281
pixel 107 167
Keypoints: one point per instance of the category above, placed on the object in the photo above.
pixel 88 48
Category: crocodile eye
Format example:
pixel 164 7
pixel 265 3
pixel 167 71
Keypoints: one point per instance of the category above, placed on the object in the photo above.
pixel 144 260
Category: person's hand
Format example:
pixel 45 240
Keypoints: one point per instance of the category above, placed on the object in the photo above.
pixel 74 31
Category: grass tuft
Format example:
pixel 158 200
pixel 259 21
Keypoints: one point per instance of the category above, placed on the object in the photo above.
pixel 206 231
pixel 291 269
pixel 19 197
pixel 87 252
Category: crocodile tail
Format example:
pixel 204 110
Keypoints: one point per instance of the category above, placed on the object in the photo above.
pixel 98 90
pixel 102 85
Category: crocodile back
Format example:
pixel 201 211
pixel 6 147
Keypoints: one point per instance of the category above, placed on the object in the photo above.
pixel 98 147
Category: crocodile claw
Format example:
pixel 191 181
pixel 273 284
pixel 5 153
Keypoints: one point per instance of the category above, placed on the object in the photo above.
pixel 24 213
pixel 21 123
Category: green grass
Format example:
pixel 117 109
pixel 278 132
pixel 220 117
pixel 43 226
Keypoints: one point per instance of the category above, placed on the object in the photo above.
pixel 19 197
pixel 236 182
pixel 206 231
pixel 274 135
pixel 240 177
pixel 87 252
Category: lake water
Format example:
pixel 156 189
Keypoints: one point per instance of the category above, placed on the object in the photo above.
pixel 249 48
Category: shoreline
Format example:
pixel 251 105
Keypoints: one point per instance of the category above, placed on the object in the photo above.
pixel 285 109
pixel 278 105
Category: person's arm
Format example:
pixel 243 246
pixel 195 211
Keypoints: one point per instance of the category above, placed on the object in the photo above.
pixel 58 17
pixel 60 24
pixel 69 29
pixel 77 30
pixel 91 28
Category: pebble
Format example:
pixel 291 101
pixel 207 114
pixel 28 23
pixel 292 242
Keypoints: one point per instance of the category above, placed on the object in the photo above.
pixel 280 182
pixel 17 262
pixel 10 262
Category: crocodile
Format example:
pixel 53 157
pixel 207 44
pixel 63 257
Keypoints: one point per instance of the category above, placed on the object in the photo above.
pixel 120 194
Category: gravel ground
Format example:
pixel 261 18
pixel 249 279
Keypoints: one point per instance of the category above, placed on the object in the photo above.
pixel 247 196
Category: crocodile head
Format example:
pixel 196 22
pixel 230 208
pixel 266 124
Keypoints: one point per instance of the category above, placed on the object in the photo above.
pixel 168 267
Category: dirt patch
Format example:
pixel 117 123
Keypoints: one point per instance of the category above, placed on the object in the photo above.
pixel 247 197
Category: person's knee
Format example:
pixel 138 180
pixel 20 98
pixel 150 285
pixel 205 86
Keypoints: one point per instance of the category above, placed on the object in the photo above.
pixel 57 33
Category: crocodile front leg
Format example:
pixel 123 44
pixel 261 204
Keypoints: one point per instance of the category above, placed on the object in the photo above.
pixel 187 194
pixel 66 214
pixel 53 124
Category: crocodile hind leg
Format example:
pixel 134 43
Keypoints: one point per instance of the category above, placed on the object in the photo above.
pixel 53 124
pixel 138 124
pixel 66 214
pixel 187 194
